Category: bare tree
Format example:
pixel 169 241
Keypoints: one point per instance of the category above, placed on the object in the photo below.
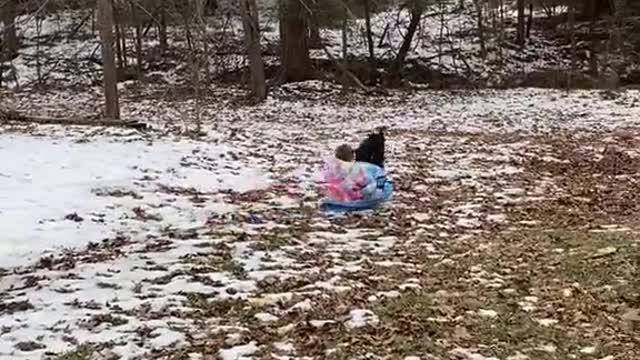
pixel 110 76
pixel 250 22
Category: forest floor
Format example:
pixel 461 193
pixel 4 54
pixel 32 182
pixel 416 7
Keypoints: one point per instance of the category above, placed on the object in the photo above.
pixel 512 235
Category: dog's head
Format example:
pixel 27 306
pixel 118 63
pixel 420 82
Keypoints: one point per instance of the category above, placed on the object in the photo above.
pixel 381 129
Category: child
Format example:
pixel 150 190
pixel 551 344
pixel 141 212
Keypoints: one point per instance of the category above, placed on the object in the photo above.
pixel 349 180
pixel 340 176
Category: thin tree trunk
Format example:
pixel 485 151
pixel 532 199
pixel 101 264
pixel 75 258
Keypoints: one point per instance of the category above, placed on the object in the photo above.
pixel 250 21
pixel 201 8
pixel 110 81
pixel 520 34
pixel 619 10
pixel 10 37
pixel 501 35
pixel 162 27
pixel 345 37
pixel 123 39
pixel 194 65
pixel 137 19
pixel 367 22
pixel 383 36
pixel 572 38
pixel 442 10
pixel 530 21
pixel 39 20
pixel 593 56
pixel 118 41
pixel 483 46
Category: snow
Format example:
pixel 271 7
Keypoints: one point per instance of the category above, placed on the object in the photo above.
pixel 241 352
pixel 266 317
pixel 361 318
pixel 43 180
pixel 487 313
pixel 546 322
pixel 588 350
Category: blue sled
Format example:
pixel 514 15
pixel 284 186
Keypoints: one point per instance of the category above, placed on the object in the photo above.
pixel 329 205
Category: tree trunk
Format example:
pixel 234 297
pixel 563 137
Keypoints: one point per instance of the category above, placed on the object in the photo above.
pixel 529 21
pixel 123 39
pixel 138 21
pixel 501 35
pixel 295 59
pixel 416 16
pixel 572 36
pixel 110 81
pixel 162 27
pixel 202 8
pixel 118 41
pixel 572 39
pixel 619 10
pixel 367 22
pixel 9 37
pixel 345 37
pixel 315 40
pixel 39 20
pixel 593 51
pixel 520 34
pixel 250 22
pixel 483 46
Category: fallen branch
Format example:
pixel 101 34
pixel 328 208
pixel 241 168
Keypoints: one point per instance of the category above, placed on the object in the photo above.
pixel 15 117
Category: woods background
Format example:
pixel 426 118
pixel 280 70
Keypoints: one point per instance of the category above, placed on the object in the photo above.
pixel 365 45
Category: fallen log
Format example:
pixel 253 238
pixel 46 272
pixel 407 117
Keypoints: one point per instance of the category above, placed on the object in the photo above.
pixel 9 116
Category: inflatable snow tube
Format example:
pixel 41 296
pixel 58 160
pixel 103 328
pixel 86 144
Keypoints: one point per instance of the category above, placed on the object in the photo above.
pixel 333 205
pixel 353 186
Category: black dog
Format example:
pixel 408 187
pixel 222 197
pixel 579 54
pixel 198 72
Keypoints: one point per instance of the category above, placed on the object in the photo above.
pixel 371 150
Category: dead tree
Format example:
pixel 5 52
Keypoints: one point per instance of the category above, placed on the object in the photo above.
pixel 110 72
pixel 250 22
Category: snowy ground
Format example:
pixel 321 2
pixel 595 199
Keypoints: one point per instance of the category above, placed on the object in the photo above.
pixel 511 236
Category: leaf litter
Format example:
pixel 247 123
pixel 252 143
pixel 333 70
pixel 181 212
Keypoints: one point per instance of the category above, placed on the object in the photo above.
pixel 504 241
